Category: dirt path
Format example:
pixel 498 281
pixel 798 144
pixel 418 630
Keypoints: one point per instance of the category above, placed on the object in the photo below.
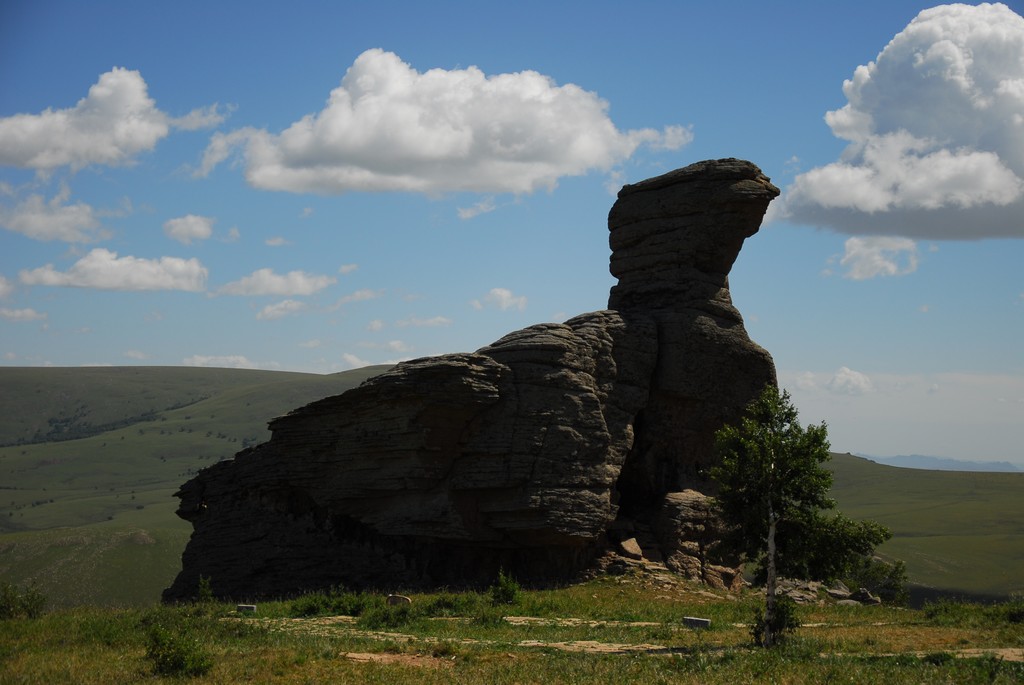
pixel 332 625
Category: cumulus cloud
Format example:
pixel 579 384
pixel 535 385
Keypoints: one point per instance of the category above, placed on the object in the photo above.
pixel 21 314
pixel 281 309
pixel 104 270
pixel 388 127
pixel 230 361
pixel 375 325
pixel 113 123
pixel 190 227
pixel 846 381
pixel 346 269
pixel 934 126
pixel 53 219
pixel 266 282
pixel 879 256
pixel 135 354
pixel 276 241
pixel 6 287
pixel 502 298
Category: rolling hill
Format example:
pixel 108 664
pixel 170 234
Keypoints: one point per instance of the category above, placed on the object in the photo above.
pixel 90 519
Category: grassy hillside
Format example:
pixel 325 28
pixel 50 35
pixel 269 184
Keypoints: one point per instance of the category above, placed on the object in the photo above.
pixel 960 531
pixel 91 520
pixel 44 404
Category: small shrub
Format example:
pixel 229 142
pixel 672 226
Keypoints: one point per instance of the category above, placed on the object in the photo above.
pixel 312 604
pixel 1015 609
pixel 887 581
pixel 446 605
pixel 17 603
pixel 783 623
pixel 382 617
pixel 204 593
pixel 176 654
pixel 336 602
pixel 505 590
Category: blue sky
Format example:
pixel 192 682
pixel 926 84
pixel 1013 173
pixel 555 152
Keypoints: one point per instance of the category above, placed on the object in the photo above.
pixel 315 186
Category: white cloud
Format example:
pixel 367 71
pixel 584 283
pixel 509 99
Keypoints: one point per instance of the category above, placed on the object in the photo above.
pixel 6 288
pixel 21 314
pixel 233 235
pixel 502 298
pixel 846 381
pixel 104 270
pixel 346 269
pixel 359 296
pixel 135 354
pixel 266 282
pixel 202 117
pixel 934 126
pixel 276 241
pixel 53 219
pixel 190 227
pixel 353 361
pixel 389 127
pixel 805 381
pixel 113 123
pixel 231 361
pixel 375 325
pixel 875 256
pixel 281 309
pixel 306 213
pixel 432 322
pixel 482 207
pixel 311 344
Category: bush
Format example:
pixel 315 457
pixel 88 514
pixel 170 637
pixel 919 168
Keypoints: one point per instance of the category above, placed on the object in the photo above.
pixel 386 617
pixel 336 602
pixel 784 623
pixel 17 603
pixel 204 594
pixel 176 654
pixel 505 590
pixel 880 578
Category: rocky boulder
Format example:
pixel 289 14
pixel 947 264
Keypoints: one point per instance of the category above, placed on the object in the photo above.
pixel 522 455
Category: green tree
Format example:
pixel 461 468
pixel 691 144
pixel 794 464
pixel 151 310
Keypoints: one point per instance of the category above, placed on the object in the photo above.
pixel 773 495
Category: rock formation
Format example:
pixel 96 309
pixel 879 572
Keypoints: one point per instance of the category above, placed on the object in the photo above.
pixel 530 454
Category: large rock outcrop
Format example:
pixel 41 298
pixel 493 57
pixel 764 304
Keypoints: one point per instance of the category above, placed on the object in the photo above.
pixel 522 455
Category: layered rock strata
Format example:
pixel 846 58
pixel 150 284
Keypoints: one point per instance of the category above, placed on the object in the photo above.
pixel 527 455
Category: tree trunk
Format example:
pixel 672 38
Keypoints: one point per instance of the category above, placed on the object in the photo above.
pixel 769 604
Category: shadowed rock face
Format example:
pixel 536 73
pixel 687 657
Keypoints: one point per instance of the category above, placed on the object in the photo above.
pixel 522 455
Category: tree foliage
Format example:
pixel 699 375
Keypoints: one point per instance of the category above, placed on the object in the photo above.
pixel 773 497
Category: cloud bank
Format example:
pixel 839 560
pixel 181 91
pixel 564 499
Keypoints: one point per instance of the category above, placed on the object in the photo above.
pixel 104 270
pixel 266 282
pixel 388 127
pixel 114 122
pixel 934 126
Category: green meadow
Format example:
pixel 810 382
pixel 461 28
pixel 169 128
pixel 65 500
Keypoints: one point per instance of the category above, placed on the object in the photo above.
pixel 90 459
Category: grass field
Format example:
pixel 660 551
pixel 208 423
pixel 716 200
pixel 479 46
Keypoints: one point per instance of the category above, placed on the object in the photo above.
pixel 956 531
pixel 624 629
pixel 91 520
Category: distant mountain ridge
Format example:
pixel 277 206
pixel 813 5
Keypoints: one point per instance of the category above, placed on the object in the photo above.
pixel 920 461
